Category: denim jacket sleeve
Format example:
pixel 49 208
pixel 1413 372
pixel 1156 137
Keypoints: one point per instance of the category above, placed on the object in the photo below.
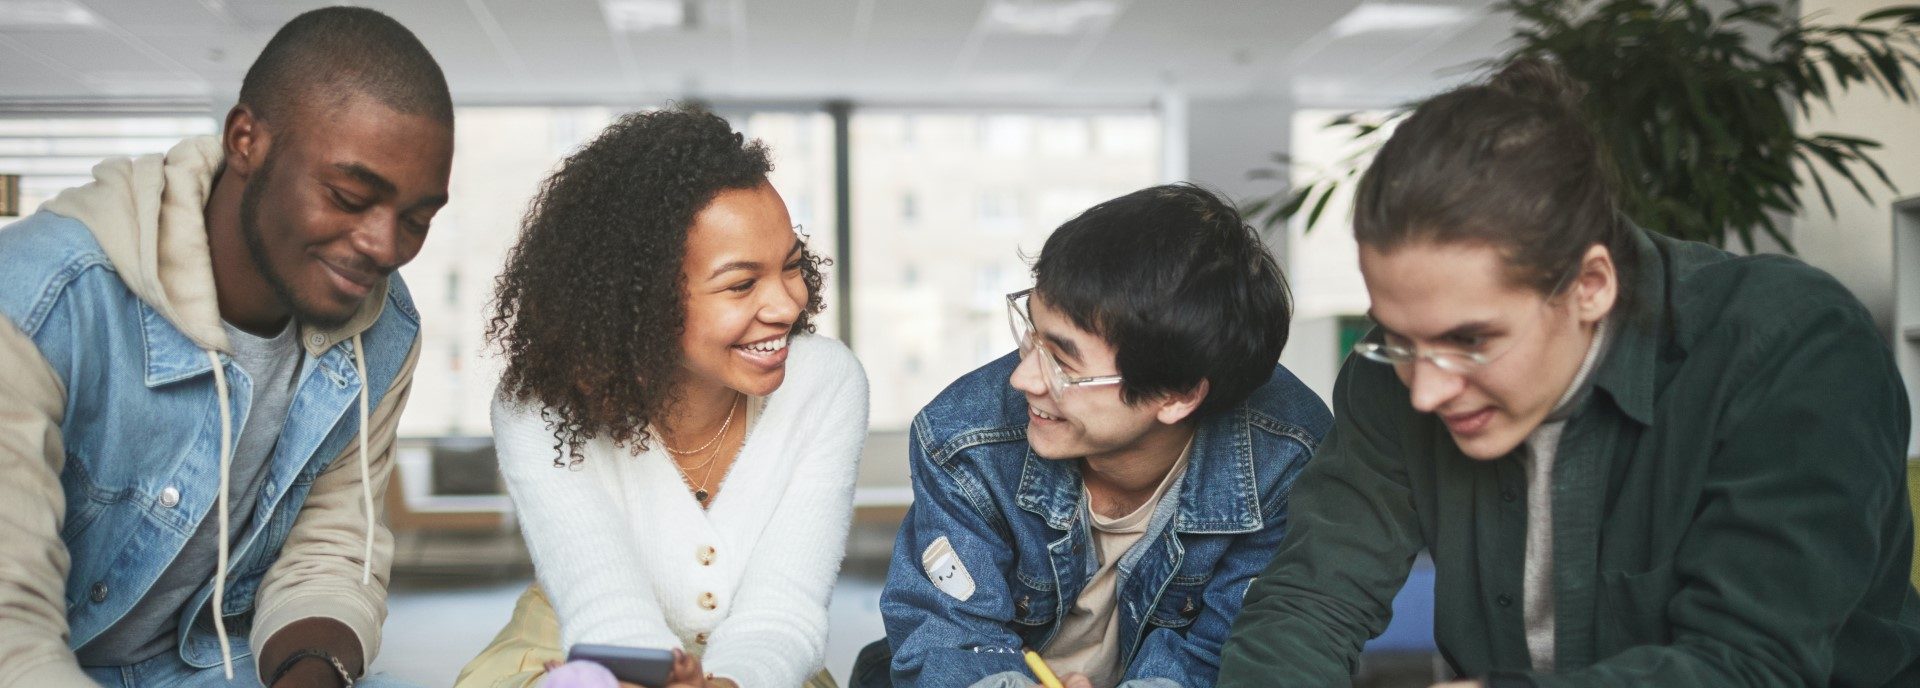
pixel 1192 657
pixel 948 636
pixel 1016 679
pixel 317 574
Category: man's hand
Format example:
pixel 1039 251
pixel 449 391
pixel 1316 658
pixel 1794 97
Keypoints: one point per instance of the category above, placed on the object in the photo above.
pixel 317 633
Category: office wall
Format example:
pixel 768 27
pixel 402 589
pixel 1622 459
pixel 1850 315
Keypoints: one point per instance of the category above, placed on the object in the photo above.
pixel 1856 243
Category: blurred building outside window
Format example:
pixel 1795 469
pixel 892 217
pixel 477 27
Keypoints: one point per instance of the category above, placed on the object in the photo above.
pixel 980 190
pixel 54 153
pixel 1330 298
pixel 503 154
pixel 987 189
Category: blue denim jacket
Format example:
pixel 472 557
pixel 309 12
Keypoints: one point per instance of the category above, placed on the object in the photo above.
pixel 1014 522
pixel 142 416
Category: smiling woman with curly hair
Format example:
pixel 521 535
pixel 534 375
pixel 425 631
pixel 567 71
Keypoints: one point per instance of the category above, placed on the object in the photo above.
pixel 655 321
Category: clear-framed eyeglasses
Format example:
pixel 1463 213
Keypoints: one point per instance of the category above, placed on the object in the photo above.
pixel 1457 362
pixel 1020 319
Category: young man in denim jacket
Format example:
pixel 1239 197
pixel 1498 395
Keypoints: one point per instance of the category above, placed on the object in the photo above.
pixel 1106 495
pixel 203 358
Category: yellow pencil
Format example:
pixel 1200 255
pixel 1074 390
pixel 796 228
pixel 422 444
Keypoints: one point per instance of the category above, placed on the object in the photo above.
pixel 1040 669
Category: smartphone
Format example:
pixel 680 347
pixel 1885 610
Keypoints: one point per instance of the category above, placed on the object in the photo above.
pixel 638 665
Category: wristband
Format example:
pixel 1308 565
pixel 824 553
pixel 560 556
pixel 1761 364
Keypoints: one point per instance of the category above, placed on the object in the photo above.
pixel 346 679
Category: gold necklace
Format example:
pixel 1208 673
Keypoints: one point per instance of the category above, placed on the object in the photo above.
pixel 700 493
pixel 716 436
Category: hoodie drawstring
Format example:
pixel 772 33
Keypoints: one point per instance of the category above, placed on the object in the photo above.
pixel 226 465
pixel 366 475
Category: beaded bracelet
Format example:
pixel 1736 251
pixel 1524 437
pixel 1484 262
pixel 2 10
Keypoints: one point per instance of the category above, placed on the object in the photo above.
pixel 346 679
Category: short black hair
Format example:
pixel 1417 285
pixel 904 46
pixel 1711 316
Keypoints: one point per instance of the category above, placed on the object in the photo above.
pixel 1182 288
pixel 326 55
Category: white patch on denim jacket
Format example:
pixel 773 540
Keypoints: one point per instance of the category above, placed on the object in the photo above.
pixel 945 569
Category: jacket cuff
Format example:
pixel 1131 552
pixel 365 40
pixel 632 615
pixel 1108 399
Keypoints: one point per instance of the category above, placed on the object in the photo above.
pixel 348 609
pixel 1005 679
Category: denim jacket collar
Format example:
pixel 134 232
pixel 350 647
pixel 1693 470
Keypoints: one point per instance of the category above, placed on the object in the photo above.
pixel 1217 495
pixel 172 357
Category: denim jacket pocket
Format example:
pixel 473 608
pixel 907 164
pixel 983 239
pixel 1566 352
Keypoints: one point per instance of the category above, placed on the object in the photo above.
pixel 84 501
pixel 1180 603
pixel 1034 602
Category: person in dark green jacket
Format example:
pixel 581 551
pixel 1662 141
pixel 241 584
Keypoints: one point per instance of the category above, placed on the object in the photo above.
pixel 1636 461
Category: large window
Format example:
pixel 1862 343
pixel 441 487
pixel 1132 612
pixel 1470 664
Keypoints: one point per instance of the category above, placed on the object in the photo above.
pixel 54 153
pixel 947 207
pixel 1324 263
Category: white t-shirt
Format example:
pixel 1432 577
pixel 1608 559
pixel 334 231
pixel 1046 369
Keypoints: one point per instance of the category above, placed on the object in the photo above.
pixel 1088 641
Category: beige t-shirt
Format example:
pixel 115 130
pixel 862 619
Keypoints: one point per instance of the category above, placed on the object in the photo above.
pixel 1089 638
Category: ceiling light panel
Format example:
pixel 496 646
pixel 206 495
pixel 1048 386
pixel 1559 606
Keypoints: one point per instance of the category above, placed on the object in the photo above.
pixel 1048 17
pixel 645 16
pixel 15 14
pixel 1377 17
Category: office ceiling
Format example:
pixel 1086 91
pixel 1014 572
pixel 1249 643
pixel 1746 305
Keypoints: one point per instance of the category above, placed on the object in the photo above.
pixel 1319 53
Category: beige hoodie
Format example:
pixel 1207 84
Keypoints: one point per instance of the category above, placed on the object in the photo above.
pixel 147 214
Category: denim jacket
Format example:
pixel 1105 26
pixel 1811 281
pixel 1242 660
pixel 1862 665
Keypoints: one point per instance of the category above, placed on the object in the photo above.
pixel 1014 524
pixel 111 441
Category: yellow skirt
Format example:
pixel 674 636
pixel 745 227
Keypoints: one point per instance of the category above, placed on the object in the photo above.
pixel 518 655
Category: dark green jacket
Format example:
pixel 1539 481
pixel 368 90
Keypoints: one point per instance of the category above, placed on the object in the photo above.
pixel 1729 505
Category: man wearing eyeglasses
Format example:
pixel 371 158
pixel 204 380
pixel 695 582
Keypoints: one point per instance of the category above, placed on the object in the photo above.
pixel 1635 460
pixel 1105 495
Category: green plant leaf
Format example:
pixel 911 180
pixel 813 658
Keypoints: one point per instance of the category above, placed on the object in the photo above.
pixel 1905 14
pixel 1695 104
pixel 1313 216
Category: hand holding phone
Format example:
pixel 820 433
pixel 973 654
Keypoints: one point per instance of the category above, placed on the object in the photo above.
pixel 649 667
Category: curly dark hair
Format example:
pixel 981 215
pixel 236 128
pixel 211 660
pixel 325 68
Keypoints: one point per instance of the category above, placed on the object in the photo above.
pixel 591 306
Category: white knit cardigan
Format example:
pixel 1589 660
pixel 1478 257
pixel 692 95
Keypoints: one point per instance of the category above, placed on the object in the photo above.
pixel 622 549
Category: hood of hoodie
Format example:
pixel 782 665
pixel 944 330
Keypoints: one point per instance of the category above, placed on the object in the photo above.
pixel 149 216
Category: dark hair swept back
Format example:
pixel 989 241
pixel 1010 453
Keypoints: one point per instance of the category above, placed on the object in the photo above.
pixel 1510 163
pixel 1182 288
pixel 592 304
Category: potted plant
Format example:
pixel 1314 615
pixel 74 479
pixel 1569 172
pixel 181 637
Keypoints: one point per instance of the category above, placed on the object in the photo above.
pixel 1695 107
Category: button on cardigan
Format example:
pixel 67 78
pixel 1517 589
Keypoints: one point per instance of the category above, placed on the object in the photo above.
pixel 629 558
